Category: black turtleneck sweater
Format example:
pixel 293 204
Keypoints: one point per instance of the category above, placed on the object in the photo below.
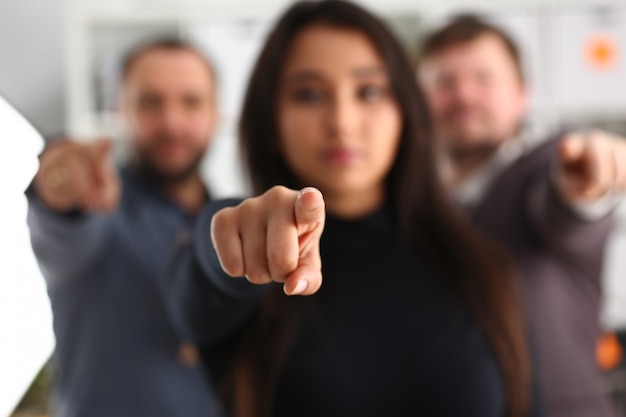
pixel 382 337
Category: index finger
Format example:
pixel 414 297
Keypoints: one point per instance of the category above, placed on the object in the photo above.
pixel 310 214
pixel 310 210
pixel 572 148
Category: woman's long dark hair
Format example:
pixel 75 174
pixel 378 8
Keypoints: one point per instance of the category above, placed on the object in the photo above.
pixel 424 217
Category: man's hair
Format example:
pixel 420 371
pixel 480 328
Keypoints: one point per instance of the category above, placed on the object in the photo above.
pixel 171 44
pixel 465 28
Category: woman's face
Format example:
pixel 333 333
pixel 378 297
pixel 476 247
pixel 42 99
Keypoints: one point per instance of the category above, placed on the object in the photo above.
pixel 339 123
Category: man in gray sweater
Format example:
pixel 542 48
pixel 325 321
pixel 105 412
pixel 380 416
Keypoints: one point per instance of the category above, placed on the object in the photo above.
pixel 548 205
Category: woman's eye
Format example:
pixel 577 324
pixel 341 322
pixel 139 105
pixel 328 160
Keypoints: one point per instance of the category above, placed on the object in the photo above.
pixel 371 92
pixel 308 95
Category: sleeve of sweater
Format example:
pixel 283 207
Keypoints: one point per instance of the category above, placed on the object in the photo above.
pixel 205 303
pixel 560 227
pixel 67 245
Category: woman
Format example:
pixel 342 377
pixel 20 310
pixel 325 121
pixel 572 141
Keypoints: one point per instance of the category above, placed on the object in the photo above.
pixel 418 315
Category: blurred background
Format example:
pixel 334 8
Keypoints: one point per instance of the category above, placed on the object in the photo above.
pixel 59 66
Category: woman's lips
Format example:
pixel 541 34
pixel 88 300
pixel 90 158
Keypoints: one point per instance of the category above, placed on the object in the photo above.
pixel 341 156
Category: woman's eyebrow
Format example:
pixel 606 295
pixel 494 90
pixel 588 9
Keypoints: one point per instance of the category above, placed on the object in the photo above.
pixel 303 75
pixel 313 75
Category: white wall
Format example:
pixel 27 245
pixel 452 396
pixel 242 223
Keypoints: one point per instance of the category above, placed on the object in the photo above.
pixel 32 46
pixel 31 59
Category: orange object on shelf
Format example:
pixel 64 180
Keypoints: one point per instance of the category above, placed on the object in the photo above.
pixel 602 53
pixel 609 353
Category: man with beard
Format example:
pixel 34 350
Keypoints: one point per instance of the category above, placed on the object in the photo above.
pixel 103 238
pixel 548 205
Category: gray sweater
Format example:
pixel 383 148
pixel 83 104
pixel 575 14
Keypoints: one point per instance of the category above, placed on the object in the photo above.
pixel 560 257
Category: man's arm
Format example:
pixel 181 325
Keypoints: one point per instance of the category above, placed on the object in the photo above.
pixel 560 227
pixel 66 245
pixel 74 191
pixel 570 207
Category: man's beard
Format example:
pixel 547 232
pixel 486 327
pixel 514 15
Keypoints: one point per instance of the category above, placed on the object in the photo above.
pixel 466 147
pixel 149 169
pixel 481 150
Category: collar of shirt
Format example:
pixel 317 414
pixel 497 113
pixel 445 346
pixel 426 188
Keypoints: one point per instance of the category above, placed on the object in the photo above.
pixel 470 192
pixel 144 186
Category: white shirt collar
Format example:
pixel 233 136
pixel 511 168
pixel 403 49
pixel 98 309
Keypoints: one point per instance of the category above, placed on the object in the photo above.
pixel 472 190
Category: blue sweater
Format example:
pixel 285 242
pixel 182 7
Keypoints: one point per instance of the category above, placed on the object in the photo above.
pixel 117 351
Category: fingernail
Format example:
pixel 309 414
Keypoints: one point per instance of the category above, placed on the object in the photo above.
pixel 306 191
pixel 300 288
